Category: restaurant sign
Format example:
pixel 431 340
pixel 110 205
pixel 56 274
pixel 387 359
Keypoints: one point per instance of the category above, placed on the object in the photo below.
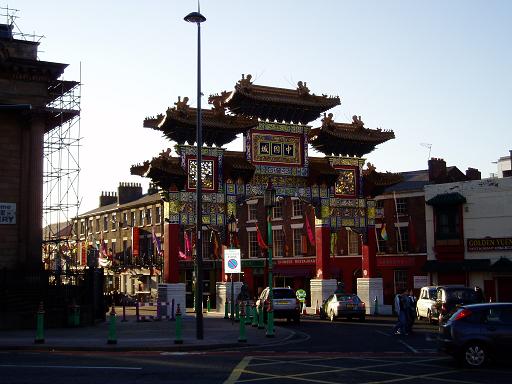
pixel 7 213
pixel 489 244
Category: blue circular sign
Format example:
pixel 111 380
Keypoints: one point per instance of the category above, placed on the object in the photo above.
pixel 232 264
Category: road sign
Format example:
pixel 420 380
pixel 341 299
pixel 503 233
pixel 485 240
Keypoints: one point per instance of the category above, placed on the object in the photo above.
pixel 232 262
pixel 301 295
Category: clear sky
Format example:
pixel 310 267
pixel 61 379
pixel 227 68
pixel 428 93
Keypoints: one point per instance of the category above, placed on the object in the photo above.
pixel 436 71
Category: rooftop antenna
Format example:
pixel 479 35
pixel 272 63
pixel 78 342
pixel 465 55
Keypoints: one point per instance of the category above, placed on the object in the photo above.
pixel 429 146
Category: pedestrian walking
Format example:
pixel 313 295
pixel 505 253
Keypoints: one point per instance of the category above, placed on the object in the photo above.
pixel 411 310
pixel 400 309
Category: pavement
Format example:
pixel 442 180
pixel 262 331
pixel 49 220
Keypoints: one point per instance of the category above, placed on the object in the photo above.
pixel 152 335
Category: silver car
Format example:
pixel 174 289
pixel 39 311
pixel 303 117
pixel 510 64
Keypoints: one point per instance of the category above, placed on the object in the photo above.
pixel 285 304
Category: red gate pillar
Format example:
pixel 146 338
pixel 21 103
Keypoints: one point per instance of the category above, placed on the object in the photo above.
pixel 369 259
pixel 171 247
pixel 322 244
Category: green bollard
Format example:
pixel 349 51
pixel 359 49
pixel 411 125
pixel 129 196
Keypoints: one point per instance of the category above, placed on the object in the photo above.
pixel 208 308
pixel 260 317
pixel 237 312
pixel 40 325
pixel 247 313
pixel 112 334
pixel 178 339
pixel 242 338
pixel 254 316
pixel 226 310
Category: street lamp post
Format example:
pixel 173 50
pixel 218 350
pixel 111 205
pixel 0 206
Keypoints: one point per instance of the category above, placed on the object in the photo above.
pixel 196 17
pixel 269 201
pixel 232 229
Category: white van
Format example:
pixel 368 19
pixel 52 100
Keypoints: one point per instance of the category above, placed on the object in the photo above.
pixel 426 303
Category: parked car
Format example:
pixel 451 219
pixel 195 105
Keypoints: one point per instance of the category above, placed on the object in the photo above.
pixel 285 304
pixel 450 298
pixel 343 305
pixel 478 332
pixel 426 303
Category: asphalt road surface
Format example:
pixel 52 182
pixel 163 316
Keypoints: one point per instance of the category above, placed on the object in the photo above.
pixel 319 352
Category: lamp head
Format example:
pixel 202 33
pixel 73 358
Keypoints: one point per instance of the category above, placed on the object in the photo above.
pixel 194 17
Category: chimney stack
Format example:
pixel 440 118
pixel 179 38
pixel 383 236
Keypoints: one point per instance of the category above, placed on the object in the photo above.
pixel 436 169
pixel 108 198
pixel 128 192
pixel 473 174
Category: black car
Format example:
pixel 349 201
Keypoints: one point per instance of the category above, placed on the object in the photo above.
pixel 450 297
pixel 478 332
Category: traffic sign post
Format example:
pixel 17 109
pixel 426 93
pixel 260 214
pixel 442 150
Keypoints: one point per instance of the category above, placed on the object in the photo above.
pixel 232 264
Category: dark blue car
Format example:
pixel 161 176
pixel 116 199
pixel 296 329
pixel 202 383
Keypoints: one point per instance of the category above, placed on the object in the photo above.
pixel 476 333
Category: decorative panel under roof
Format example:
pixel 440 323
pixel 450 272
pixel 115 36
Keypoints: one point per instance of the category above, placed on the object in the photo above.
pixel 342 139
pixel 322 172
pixel 236 166
pixel 179 123
pixel 278 104
pixel 163 170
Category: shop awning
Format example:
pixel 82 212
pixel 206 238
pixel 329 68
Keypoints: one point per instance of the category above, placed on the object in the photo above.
pixel 457 266
pixel 446 199
pixel 504 264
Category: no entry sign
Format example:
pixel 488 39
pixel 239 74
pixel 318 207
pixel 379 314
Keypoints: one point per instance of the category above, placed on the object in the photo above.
pixel 232 262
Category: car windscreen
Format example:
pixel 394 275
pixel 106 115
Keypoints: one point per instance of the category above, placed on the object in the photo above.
pixel 352 298
pixel 432 293
pixel 462 295
pixel 284 294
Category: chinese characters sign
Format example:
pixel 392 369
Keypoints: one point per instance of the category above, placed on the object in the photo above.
pixel 276 148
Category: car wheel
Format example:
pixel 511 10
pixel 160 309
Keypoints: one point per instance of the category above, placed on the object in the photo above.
pixel 331 315
pixel 474 355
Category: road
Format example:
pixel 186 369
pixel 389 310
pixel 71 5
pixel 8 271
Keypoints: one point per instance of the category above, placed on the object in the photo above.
pixel 319 352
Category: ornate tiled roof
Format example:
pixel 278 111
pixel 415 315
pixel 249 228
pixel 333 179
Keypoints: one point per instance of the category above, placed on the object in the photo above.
pixel 278 104
pixel 218 128
pixel 163 170
pixel 347 139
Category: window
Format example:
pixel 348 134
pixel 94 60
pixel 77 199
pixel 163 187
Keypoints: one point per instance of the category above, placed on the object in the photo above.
pixel 400 281
pixel 148 216
pixel 158 214
pixel 379 207
pixel 277 210
pixel 278 243
pixel 141 217
pixel 82 227
pixel 90 226
pixel 254 249
pixel 353 243
pixel 401 206
pixel 125 219
pixel 297 241
pixel 97 224
pixel 251 212
pixel 113 248
pixel 132 218
pixel 402 239
pixel 448 221
pixel 113 222
pixel 105 223
pixel 296 208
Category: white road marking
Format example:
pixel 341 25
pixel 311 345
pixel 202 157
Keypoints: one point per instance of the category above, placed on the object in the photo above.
pixel 408 346
pixel 67 367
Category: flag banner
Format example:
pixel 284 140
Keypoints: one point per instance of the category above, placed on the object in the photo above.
pixel 188 245
pixel 135 241
pixel 309 232
pixel 383 232
pixel 304 244
pixel 181 255
pixel 156 242
pixel 334 243
pixel 261 242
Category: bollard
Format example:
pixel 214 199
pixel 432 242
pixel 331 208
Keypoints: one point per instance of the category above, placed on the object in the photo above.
pixel 237 311
pixel 172 310
pixel 112 334
pixel 208 308
pixel 226 310
pixel 137 311
pixel 254 316
pixel 376 305
pixel 247 313
pixel 270 320
pixel 242 338
pixel 260 317
pixel 124 310
pixel 178 339
pixel 158 310
pixel 40 325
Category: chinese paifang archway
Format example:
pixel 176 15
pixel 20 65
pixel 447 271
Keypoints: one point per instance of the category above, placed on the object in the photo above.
pixel 319 197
